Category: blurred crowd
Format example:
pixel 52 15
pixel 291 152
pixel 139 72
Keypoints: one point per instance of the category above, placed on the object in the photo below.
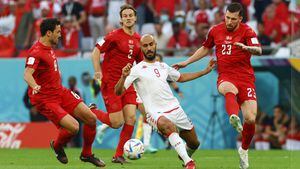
pixel 180 26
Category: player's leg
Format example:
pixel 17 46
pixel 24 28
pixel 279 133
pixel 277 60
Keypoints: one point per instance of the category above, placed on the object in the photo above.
pixel 167 128
pixel 126 132
pixel 82 112
pixel 69 128
pixel 147 131
pixel 249 110
pixel 229 91
pixel 191 139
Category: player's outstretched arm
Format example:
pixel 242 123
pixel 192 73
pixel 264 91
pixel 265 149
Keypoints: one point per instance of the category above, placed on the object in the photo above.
pixel 199 54
pixel 30 80
pixel 119 87
pixel 191 76
pixel 254 50
pixel 96 64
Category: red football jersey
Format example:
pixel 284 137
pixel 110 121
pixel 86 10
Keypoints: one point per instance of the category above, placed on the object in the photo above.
pixel 47 75
pixel 120 49
pixel 231 60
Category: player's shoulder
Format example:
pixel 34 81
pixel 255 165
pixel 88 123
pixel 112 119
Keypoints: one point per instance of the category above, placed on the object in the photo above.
pixel 247 29
pixel 114 33
pixel 218 27
pixel 137 35
pixel 35 49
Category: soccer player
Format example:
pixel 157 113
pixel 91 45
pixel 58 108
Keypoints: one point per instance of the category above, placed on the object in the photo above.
pixel 58 104
pixel 119 47
pixel 235 43
pixel 162 107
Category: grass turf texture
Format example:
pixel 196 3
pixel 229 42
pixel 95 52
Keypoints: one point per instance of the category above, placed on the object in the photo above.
pixel 205 159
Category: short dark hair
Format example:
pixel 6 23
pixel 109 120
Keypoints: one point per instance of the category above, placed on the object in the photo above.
pixel 126 6
pixel 48 25
pixel 235 7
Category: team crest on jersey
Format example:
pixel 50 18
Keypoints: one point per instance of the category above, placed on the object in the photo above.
pixel 228 38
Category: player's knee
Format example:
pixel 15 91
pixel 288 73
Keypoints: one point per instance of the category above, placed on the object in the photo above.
pixel 75 128
pixel 250 119
pixel 116 124
pixel 167 128
pixel 92 120
pixel 130 120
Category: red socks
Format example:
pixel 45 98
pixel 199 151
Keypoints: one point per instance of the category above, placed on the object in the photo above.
pixel 231 105
pixel 247 135
pixel 62 139
pixel 102 116
pixel 124 136
pixel 89 133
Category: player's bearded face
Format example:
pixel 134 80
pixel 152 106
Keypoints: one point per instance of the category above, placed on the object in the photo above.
pixel 232 20
pixel 55 35
pixel 128 18
pixel 149 50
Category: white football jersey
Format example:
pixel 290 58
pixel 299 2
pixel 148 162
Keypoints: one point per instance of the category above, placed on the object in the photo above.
pixel 150 82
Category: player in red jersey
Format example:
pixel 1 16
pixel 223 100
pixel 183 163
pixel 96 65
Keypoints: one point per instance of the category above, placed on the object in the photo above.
pixel 235 43
pixel 121 47
pixel 58 104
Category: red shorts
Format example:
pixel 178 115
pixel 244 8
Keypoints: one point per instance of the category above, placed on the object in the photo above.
pixel 246 88
pixel 114 103
pixel 56 109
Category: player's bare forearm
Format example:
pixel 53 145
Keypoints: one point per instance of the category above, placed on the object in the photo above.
pixel 199 54
pixel 29 78
pixel 119 87
pixel 254 50
pixel 96 59
pixel 184 77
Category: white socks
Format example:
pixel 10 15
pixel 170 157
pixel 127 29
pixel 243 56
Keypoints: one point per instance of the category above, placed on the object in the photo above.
pixel 179 146
pixel 147 130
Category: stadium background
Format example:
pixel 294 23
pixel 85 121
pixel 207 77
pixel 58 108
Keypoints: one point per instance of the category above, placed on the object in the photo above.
pixel 277 80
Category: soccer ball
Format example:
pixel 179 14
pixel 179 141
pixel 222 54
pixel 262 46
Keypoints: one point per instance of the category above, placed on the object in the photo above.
pixel 133 149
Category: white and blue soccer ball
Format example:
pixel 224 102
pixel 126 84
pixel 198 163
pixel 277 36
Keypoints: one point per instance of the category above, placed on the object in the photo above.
pixel 133 149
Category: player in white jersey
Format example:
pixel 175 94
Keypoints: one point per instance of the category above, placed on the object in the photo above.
pixel 163 109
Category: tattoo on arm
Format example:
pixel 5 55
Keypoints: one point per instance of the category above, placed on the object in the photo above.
pixel 254 50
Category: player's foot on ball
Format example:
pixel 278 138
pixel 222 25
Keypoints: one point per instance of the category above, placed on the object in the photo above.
pixel 150 150
pixel 119 159
pixel 190 165
pixel 60 154
pixel 92 159
pixel 235 121
pixel 244 163
pixel 92 106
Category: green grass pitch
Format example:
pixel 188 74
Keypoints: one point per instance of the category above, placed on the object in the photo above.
pixel 205 159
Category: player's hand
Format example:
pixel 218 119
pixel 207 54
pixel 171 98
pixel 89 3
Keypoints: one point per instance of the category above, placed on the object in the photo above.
pixel 126 70
pixel 36 89
pixel 179 65
pixel 211 65
pixel 98 76
pixel 240 45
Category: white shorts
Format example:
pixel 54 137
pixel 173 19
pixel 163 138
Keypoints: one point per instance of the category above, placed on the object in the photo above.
pixel 176 116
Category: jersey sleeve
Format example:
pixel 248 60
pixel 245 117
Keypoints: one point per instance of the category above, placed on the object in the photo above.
pixel 133 76
pixel 32 61
pixel 251 38
pixel 173 74
pixel 106 43
pixel 209 41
